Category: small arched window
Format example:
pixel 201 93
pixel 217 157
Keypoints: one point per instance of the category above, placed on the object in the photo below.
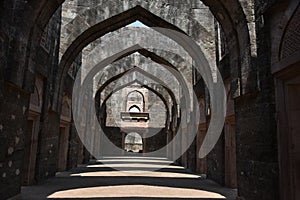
pixel 135 102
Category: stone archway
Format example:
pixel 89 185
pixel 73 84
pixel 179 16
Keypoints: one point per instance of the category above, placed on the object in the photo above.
pixel 285 68
pixel 133 143
pixel 32 135
pixel 64 132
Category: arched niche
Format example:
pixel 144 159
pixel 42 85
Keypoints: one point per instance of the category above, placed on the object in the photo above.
pixel 66 113
pixel 135 101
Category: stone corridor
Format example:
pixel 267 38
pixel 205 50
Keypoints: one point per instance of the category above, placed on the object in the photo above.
pixel 94 94
pixel 137 181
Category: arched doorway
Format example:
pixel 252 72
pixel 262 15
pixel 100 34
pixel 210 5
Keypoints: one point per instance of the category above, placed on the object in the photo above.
pixel 133 143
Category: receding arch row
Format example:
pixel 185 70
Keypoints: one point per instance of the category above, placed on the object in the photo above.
pixel 136 69
pixel 174 109
pixel 157 59
pixel 145 78
pixel 225 12
pixel 164 63
pixel 173 62
pixel 102 107
pixel 130 71
pixel 104 27
pixel 178 17
pixel 136 48
pixel 144 73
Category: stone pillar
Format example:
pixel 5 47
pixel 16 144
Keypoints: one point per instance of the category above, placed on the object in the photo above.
pixel 14 107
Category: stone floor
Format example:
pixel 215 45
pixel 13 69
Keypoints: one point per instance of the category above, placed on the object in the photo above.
pixel 136 180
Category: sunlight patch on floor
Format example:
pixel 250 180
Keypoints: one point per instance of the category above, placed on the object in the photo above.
pixel 136 174
pixel 134 166
pixel 135 191
pixel 133 157
pixel 135 160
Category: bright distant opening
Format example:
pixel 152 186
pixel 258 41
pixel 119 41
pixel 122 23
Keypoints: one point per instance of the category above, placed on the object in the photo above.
pixel 134 143
pixel 134 109
pixel 137 24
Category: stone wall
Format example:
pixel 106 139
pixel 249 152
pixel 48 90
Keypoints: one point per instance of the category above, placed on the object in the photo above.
pixel 157 141
pixel 47 59
pixel 114 135
pixel 257 146
pixel 215 162
pixel 13 118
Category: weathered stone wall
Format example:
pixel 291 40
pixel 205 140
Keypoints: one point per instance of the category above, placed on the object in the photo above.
pixel 157 141
pixel 13 118
pixel 157 111
pixel 48 146
pixel 114 135
pixel 257 146
pixel 257 161
pixel 14 104
pixel 46 59
pixel 47 62
pixel 74 149
pixel 193 18
pixel 215 162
